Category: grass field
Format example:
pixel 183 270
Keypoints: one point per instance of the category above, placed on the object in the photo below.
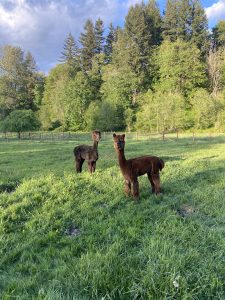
pixel 76 236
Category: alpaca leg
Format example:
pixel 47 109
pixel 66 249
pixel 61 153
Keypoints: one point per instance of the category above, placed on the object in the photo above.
pixel 93 166
pixel 151 181
pixel 135 189
pixel 127 187
pixel 90 166
pixel 156 180
pixel 79 163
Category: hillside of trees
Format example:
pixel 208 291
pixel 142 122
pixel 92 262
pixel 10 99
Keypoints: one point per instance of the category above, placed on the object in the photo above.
pixel 158 72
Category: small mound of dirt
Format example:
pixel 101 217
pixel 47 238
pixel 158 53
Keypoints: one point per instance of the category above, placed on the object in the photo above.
pixel 72 231
pixel 185 210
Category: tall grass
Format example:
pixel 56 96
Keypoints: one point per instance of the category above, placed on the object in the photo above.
pixel 76 236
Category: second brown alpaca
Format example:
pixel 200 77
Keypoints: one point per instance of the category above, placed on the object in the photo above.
pixel 135 167
pixel 88 153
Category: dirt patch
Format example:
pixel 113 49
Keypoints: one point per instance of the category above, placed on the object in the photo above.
pixel 185 210
pixel 73 231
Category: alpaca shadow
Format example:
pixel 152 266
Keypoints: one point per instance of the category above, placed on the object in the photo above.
pixel 208 177
pixel 172 158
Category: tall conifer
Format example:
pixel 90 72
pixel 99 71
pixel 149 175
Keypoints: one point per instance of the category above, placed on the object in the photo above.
pixel 88 42
pixel 154 22
pixel 99 30
pixel 70 54
pixel 108 48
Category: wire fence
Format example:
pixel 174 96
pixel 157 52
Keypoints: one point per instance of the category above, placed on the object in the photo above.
pixel 84 136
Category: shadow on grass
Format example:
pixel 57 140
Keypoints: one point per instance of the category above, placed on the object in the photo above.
pixel 9 187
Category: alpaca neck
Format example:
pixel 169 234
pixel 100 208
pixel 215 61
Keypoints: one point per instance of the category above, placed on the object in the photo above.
pixel 95 145
pixel 122 158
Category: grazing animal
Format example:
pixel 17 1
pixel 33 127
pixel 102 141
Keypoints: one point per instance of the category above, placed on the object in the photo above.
pixel 132 168
pixel 88 153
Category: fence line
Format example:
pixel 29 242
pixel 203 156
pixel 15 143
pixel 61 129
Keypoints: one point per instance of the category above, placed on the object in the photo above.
pixel 83 136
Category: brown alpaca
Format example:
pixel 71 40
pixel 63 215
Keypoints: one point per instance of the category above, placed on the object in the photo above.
pixel 88 153
pixel 132 168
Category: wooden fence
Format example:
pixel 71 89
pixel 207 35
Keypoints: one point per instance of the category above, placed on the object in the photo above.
pixel 83 136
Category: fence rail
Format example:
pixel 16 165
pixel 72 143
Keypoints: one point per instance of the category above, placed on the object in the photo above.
pixel 83 136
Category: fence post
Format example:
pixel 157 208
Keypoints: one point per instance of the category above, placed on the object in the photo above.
pixel 193 137
pixel 163 135
pixel 104 135
pixel 177 134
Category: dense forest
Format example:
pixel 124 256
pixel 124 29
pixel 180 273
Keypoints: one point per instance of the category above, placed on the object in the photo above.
pixel 158 72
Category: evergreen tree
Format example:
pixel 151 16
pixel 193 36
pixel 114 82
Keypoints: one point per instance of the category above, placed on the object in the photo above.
pixel 218 35
pixel 171 28
pixel 88 42
pixel 154 22
pixel 108 48
pixel 70 54
pixel 99 30
pixel 139 36
pixel 186 20
pixel 199 28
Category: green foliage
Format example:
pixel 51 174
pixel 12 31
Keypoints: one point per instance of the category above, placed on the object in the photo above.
pixel 119 86
pixel 218 34
pixel 53 108
pixel 154 21
pixel 17 79
pixel 92 115
pixel 108 48
pixel 77 96
pixel 99 30
pixel 203 108
pixel 105 83
pixel 19 121
pixel 70 55
pixel 88 42
pixel 161 112
pixel 186 20
pixel 39 89
pixel 179 67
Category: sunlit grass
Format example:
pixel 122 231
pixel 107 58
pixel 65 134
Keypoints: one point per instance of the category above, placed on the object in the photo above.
pixel 76 236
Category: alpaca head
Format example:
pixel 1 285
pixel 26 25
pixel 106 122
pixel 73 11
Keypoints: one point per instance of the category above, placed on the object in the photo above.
pixel 96 135
pixel 119 141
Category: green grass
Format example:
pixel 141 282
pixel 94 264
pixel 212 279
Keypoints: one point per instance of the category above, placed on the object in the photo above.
pixel 76 236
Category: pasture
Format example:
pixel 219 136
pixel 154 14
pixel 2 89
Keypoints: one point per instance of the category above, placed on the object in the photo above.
pixel 77 236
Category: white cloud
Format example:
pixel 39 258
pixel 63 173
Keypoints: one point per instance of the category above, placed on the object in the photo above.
pixel 130 3
pixel 41 26
pixel 216 12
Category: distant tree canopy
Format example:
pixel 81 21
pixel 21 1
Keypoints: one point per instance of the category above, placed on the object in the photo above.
pixel 18 78
pixel 19 121
pixel 157 72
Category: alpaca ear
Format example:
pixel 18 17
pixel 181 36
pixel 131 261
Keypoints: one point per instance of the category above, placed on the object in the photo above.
pixel 114 135
pixel 123 135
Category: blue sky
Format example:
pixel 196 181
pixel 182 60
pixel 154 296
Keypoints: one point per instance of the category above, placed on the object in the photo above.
pixel 41 26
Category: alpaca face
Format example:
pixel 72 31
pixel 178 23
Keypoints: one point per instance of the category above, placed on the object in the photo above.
pixel 96 135
pixel 119 142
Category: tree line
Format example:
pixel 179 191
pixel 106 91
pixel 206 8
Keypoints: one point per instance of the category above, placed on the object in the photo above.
pixel 158 72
